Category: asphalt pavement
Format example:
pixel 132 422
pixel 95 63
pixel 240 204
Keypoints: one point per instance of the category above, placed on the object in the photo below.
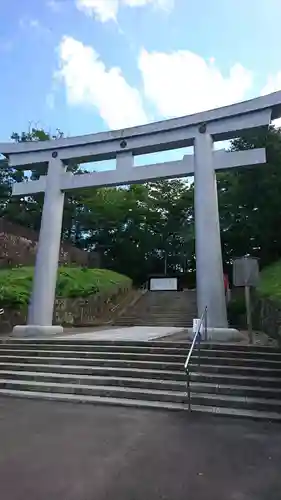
pixel 66 451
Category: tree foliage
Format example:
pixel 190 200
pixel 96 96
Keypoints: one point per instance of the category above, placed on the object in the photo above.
pixel 250 210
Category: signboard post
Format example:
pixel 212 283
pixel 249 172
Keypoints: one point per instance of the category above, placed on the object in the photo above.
pixel 246 274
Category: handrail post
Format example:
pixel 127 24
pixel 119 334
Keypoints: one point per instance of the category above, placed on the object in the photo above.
pixel 188 389
pixel 199 346
pixel 196 339
pixel 205 324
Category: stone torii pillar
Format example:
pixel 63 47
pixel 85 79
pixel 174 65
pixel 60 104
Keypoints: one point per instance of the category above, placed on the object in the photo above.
pixel 47 257
pixel 199 130
pixel 209 268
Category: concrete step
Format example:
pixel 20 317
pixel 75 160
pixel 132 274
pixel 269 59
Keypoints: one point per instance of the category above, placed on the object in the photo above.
pixel 83 379
pixel 75 398
pixel 206 357
pixel 93 390
pixel 161 309
pixel 132 344
pixel 159 362
pixel 232 379
pixel 239 413
pixel 127 356
pixel 244 380
pixel 71 368
pixel 208 399
pixel 236 361
pixel 60 359
pixel 231 401
pixel 175 324
pixel 156 319
pixel 165 309
pixel 209 387
pixel 254 371
pixel 153 319
pixel 78 370
pixel 181 350
pixel 236 390
pixel 95 347
pixel 228 353
pixel 159 314
pixel 160 405
pixel 153 323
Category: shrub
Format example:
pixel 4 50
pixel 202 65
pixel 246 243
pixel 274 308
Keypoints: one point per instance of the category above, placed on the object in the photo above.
pixel 16 284
pixel 237 311
pixel 270 281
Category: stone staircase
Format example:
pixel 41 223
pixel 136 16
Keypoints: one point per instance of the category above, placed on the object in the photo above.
pixel 161 308
pixel 237 380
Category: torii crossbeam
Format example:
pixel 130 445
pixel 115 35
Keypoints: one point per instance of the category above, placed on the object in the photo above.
pixel 199 130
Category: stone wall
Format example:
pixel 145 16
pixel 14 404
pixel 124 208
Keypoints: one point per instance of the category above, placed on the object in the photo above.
pixel 91 311
pixel 18 246
pixel 267 317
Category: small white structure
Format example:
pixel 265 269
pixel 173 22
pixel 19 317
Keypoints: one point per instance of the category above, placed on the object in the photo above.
pixel 163 283
pixel 199 130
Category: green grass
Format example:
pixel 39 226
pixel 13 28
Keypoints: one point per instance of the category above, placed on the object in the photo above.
pixel 16 284
pixel 270 281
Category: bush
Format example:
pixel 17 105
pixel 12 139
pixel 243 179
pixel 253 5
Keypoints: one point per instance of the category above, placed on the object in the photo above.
pixel 270 281
pixel 16 284
pixel 237 311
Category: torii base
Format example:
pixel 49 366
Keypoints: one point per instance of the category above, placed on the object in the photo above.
pixel 219 335
pixel 36 330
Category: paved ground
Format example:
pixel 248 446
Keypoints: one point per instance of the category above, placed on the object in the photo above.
pixel 63 451
pixel 259 338
pixel 122 333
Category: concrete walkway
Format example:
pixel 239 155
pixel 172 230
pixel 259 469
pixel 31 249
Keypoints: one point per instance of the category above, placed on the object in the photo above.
pixel 124 333
pixel 259 338
pixel 65 451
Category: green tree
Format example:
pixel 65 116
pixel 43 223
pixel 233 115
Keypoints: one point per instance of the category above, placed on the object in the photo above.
pixel 141 228
pixel 250 210
pixel 27 211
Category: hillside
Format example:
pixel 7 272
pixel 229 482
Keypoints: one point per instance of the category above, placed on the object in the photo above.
pixel 16 284
pixel 18 246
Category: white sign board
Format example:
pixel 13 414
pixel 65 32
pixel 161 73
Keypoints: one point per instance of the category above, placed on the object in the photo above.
pixel 163 284
pixel 246 271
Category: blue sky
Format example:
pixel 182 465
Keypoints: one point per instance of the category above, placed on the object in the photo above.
pixel 89 65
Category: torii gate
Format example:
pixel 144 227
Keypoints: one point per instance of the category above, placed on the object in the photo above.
pixel 199 130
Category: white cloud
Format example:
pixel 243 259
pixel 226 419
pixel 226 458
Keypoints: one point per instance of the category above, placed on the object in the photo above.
pixel 89 82
pixel 182 82
pixel 107 10
pixel 176 84
pixel 54 5
pixel 272 85
pixel 103 10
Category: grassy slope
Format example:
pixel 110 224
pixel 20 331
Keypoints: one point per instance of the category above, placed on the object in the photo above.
pixel 16 284
pixel 270 281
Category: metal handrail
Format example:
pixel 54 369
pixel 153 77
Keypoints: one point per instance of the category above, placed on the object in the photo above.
pixel 197 336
